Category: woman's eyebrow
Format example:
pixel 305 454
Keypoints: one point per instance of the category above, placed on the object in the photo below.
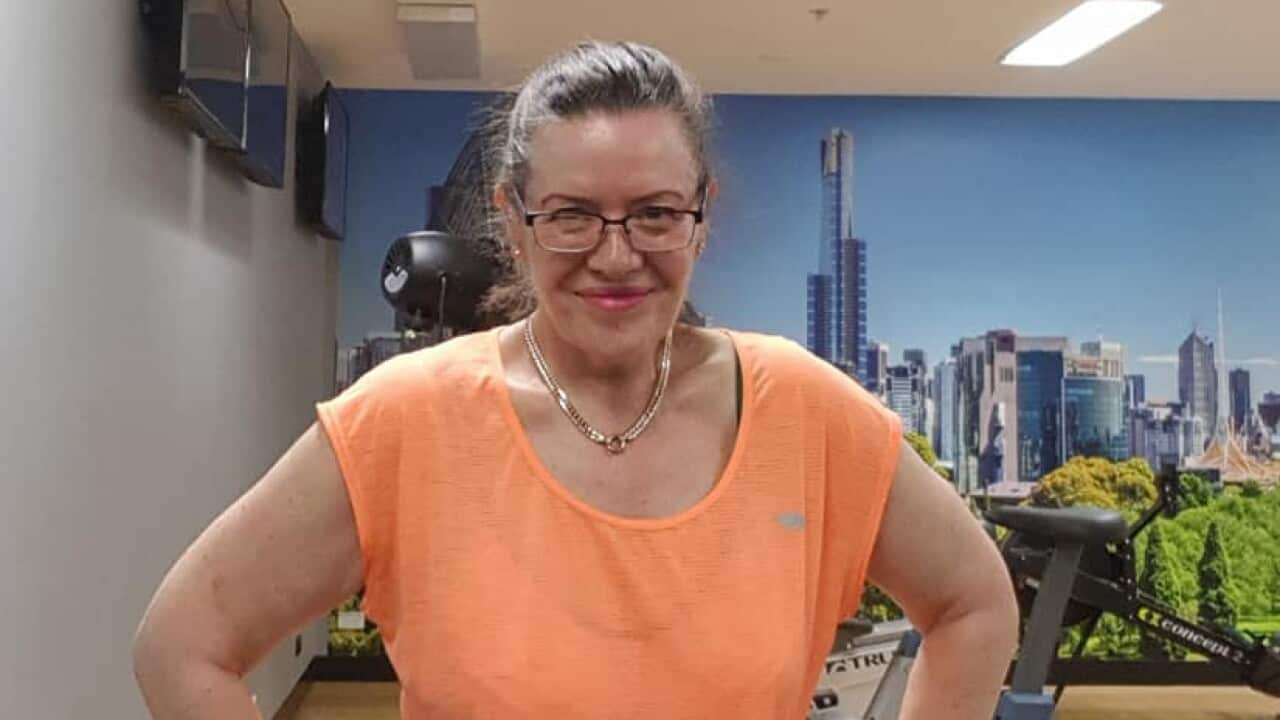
pixel 569 200
pixel 585 202
pixel 659 195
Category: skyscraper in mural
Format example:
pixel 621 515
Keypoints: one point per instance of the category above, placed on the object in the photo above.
pixel 1241 400
pixel 1198 387
pixel 1269 411
pixel 1008 412
pixel 944 398
pixel 1135 391
pixel 821 328
pixel 837 293
pixel 1041 368
pixel 906 389
pixel 1093 417
pixel 875 366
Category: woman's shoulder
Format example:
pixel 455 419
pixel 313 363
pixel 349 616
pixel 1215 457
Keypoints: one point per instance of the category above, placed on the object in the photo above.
pixel 431 369
pixel 784 363
pixel 783 357
pixel 768 344
pixel 466 354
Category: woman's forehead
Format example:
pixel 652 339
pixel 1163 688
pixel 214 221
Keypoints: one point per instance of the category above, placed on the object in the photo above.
pixel 634 153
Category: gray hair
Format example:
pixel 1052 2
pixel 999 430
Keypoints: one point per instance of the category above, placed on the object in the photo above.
pixel 611 77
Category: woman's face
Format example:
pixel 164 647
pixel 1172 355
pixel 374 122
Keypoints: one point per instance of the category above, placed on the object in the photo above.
pixel 613 301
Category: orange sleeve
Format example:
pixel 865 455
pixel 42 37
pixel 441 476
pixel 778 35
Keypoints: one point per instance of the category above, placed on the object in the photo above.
pixel 365 426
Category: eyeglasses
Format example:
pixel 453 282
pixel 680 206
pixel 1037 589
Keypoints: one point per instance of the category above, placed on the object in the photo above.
pixel 655 228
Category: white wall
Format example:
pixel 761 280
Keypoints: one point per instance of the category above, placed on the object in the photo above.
pixel 165 327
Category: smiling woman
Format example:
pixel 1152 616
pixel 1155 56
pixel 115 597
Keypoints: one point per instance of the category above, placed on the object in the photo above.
pixel 595 510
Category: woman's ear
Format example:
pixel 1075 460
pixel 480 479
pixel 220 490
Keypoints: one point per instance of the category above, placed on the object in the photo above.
pixel 713 190
pixel 502 201
pixel 709 194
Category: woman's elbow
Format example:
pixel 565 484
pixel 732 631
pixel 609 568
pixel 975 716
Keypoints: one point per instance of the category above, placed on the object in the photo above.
pixel 996 608
pixel 160 650
pixel 147 653
pixel 984 605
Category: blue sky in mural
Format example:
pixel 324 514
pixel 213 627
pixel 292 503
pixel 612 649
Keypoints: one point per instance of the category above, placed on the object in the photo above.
pixel 1052 217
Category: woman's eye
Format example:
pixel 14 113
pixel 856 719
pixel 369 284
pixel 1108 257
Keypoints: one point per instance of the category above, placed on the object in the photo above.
pixel 655 213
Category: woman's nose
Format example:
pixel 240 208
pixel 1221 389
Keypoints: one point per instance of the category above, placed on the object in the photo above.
pixel 615 253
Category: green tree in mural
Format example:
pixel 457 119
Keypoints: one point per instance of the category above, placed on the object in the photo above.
pixel 1194 491
pixel 1216 606
pixel 1158 580
pixel 1126 486
pixel 1114 638
pixel 1247 534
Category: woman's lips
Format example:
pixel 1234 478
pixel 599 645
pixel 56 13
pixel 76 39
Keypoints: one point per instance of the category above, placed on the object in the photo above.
pixel 614 300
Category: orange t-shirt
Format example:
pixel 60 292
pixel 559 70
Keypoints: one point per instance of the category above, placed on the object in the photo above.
pixel 502 595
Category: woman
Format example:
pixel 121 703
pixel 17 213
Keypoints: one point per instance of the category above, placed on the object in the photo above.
pixel 595 511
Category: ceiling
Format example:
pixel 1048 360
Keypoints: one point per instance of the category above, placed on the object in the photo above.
pixel 1194 49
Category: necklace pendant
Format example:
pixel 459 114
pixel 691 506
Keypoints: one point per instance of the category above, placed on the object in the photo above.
pixel 615 444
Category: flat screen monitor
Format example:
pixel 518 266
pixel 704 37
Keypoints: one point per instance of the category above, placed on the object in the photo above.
pixel 324 137
pixel 266 131
pixel 199 52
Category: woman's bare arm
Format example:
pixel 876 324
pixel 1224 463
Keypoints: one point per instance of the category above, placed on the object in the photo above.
pixel 282 555
pixel 935 560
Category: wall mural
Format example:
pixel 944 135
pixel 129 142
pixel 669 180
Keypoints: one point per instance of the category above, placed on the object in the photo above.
pixel 1059 298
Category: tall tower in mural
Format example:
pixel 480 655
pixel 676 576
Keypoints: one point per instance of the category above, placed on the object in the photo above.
pixel 837 293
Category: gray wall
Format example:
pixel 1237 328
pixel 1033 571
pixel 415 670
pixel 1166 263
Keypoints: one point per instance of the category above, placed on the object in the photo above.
pixel 165 327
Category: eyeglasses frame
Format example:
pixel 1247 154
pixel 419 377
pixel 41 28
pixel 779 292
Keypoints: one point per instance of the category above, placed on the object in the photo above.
pixel 531 216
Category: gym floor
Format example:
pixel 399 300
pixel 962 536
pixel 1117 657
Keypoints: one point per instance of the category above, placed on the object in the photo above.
pixel 379 701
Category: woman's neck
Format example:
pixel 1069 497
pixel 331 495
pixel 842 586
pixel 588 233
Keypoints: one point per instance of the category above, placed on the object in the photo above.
pixel 622 381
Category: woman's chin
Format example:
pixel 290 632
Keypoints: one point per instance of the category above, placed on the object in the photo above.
pixel 618 340
pixel 612 332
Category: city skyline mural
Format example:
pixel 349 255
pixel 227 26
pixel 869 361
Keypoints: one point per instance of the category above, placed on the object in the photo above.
pixel 1119 219
pixel 894 233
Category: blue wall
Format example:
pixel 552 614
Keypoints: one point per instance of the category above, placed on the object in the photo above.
pixel 1049 216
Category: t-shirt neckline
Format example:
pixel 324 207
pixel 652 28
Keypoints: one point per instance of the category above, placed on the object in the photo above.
pixel 727 473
